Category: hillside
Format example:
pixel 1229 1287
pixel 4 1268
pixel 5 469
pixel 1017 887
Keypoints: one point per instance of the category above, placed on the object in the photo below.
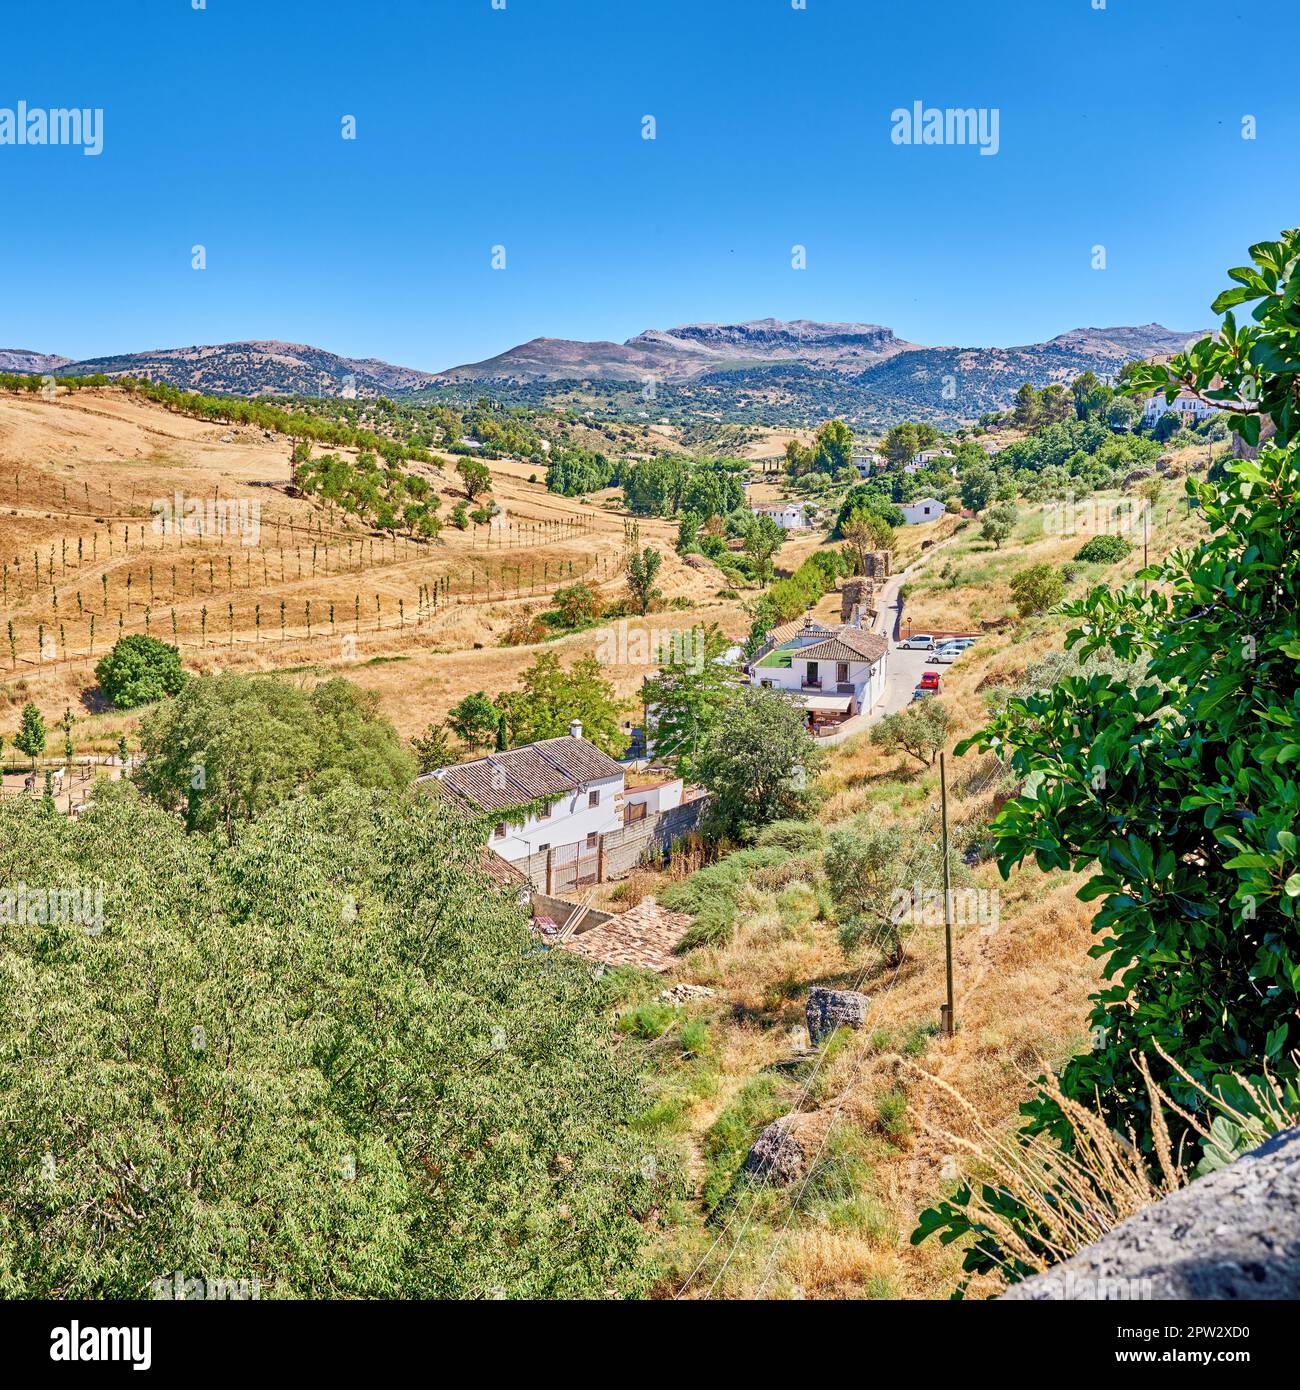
pixel 80 474
pixel 769 372
pixel 23 360
pixel 257 369
pixel 762 372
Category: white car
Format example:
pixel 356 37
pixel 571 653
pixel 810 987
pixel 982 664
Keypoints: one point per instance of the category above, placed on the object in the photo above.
pixel 921 642
pixel 945 653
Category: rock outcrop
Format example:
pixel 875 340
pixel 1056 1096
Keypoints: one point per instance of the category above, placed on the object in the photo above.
pixel 1234 1234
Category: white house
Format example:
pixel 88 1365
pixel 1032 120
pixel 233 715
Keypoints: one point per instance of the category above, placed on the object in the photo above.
pixel 869 464
pixel 578 788
pixel 832 676
pixel 790 516
pixel 927 456
pixel 1191 409
pixel 651 798
pixel 922 510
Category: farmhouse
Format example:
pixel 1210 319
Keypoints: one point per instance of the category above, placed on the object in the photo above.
pixel 1191 409
pixel 574 792
pixel 791 516
pixel 568 816
pixel 833 675
pixel 922 510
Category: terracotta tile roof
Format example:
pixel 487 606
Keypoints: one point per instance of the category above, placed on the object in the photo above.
pixel 519 775
pixel 502 870
pixel 786 632
pixel 849 644
pixel 644 935
pixel 579 757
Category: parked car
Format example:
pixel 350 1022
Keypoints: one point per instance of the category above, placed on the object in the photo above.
pixel 931 683
pixel 945 654
pixel 961 643
pixel 921 642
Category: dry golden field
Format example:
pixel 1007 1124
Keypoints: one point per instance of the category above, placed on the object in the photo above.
pixel 83 560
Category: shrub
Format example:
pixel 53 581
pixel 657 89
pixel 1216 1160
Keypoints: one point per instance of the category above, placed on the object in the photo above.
pixel 1104 550
pixel 797 836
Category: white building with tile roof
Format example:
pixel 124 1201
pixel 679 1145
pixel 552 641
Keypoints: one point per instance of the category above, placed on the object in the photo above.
pixel 582 786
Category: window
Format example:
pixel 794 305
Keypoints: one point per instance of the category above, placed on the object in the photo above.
pixel 842 672
pixel 591 840
pixel 541 849
pixel 500 832
pixel 593 798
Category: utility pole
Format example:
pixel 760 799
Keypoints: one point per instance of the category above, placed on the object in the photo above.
pixel 1146 512
pixel 946 1014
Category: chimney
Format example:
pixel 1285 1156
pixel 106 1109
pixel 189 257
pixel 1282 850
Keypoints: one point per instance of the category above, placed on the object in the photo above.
pixel 575 728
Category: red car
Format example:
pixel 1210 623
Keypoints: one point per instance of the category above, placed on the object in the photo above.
pixel 930 680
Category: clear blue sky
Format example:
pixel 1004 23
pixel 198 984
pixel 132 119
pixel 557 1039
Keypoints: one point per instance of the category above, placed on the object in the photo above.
pixel 522 127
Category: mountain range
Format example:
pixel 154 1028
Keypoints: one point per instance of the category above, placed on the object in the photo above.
pixel 762 371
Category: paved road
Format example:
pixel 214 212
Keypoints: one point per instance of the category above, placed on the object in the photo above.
pixel 905 667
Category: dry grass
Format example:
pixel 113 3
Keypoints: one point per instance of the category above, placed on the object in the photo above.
pixel 85 468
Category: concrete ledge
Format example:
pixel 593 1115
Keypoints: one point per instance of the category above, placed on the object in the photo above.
pixel 1234 1234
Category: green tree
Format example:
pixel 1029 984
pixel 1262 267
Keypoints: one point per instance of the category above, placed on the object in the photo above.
pixel 998 523
pixel 759 761
pixel 475 477
pixel 883 882
pixel 920 730
pixel 474 719
pixel 763 538
pixel 30 738
pixel 1036 589
pixel 139 671
pixel 434 747
pixel 1104 550
pixel 552 697
pixel 1179 796
pixel 687 696
pixel 867 531
pixel 578 605
pixel 902 444
pixel 977 484
pixel 228 747
pixel 1027 409
pixel 328 1058
pixel 642 568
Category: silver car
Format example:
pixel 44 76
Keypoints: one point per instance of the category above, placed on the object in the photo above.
pixel 921 642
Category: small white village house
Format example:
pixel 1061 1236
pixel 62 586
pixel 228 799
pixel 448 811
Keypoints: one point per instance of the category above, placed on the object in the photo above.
pixel 791 516
pixel 568 816
pixel 922 510
pixel 1191 409
pixel 584 787
pixel 834 673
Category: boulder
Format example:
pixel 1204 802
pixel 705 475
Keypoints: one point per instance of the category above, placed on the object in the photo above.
pixel 829 1008
pixel 1233 1234
pixel 777 1156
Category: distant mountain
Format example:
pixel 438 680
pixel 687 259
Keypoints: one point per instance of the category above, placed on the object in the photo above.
pixel 765 371
pixel 772 372
pixel 676 354
pixel 27 362
pixel 258 368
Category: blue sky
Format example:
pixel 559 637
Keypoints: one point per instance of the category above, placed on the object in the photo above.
pixel 522 127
